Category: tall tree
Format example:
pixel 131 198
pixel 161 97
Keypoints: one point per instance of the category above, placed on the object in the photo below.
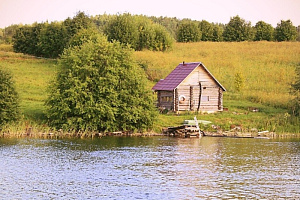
pixel 99 88
pixel 238 30
pixel 123 28
pixel 263 31
pixel 218 30
pixel 207 30
pixel 285 31
pixel 188 31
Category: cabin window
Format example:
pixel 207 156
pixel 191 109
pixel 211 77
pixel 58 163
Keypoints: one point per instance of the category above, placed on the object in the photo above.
pixel 166 99
pixel 204 98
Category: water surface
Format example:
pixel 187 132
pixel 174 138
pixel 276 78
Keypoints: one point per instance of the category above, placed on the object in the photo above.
pixel 150 168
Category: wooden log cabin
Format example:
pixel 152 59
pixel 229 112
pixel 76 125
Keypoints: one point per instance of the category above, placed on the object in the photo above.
pixel 190 87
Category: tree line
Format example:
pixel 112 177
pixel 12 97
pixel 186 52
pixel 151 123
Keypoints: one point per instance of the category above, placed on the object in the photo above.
pixel 50 39
pixel 144 28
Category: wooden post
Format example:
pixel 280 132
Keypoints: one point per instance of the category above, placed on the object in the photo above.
pixel 191 98
pixel 220 99
pixel 200 95
pixel 176 100
pixel 158 98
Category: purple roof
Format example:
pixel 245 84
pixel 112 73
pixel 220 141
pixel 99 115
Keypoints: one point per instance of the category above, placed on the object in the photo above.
pixel 178 75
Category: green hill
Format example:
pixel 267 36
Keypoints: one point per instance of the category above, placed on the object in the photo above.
pixel 255 74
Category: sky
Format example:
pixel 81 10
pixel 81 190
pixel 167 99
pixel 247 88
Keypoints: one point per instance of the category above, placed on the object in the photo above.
pixel 217 11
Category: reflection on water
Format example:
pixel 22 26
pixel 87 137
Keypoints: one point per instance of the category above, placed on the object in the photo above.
pixel 150 168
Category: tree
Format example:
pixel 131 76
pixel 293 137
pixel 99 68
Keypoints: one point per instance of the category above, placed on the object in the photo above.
pixel 188 31
pixel 123 28
pixel 298 31
pixel 22 40
pixel 295 103
pixel 207 30
pixel 285 31
pixel 99 88
pixel 218 33
pixel 238 30
pixel 49 40
pixel 9 103
pixel 263 31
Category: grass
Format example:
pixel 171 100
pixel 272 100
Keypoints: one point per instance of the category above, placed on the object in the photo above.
pixel 267 69
pixel 32 76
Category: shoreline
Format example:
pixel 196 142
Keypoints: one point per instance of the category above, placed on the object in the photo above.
pixel 82 135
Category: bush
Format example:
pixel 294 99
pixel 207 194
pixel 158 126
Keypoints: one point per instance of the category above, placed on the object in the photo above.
pixel 99 88
pixel 9 108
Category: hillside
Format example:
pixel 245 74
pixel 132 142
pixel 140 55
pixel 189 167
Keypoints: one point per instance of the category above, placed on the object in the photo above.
pixel 266 69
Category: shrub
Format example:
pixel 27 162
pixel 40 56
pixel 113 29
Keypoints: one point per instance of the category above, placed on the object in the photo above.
pixel 9 108
pixel 99 88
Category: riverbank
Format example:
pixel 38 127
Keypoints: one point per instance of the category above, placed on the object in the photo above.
pixel 62 134
pixel 262 103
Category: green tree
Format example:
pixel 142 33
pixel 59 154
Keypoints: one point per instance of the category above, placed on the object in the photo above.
pixel 298 32
pixel 22 40
pixel 263 31
pixel 238 30
pixel 207 30
pixel 162 39
pixel 9 103
pixel 99 87
pixel 123 28
pixel 295 103
pixel 51 40
pixel 285 31
pixel 188 31
pixel 218 30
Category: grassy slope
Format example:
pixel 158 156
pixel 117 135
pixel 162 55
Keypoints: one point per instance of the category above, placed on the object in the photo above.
pixel 31 76
pixel 267 68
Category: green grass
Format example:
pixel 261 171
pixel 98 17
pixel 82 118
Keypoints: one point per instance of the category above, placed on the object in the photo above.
pixel 267 68
pixel 32 77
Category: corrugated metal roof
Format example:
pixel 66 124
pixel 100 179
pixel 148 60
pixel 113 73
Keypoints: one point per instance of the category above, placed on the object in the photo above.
pixel 178 75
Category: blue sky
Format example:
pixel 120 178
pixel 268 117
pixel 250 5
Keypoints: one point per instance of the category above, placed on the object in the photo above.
pixel 270 11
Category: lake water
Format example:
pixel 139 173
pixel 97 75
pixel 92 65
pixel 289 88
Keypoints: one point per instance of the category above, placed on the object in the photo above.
pixel 150 168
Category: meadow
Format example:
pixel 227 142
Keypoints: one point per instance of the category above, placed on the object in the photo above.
pixel 266 71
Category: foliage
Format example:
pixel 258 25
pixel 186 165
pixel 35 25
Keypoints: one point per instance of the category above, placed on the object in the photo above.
pixel 298 31
pixel 263 31
pixel 9 104
pixel 217 33
pixel 207 30
pixel 239 81
pixel 100 88
pixel 139 32
pixel 260 63
pixel 7 33
pixel 188 31
pixel 238 30
pixel 170 23
pixel 48 40
pixel 285 31
pixel 295 103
